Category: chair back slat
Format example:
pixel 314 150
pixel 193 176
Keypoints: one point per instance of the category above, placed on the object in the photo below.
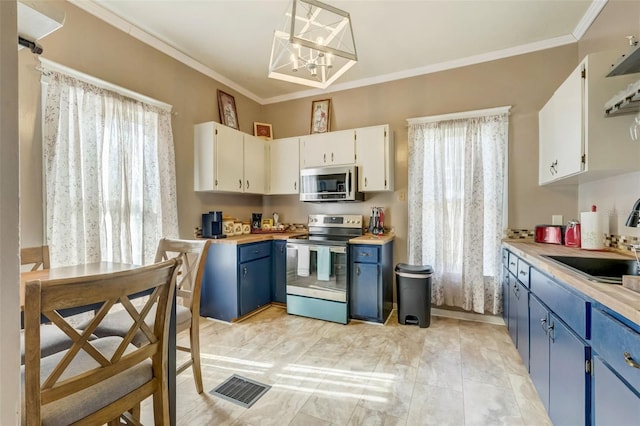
pixel 193 254
pixel 59 376
pixel 36 256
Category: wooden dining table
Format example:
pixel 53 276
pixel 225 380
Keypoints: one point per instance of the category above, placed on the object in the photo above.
pixel 104 268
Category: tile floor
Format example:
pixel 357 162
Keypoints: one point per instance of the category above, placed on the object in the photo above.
pixel 453 373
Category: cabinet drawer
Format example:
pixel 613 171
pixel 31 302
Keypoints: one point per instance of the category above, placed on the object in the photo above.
pixel 365 254
pixel 250 252
pixel 523 272
pixel 513 264
pixel 612 340
pixel 568 306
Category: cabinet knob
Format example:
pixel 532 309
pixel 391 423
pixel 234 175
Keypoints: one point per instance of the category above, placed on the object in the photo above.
pixel 357 270
pixel 244 271
pixel 295 186
pixel 240 183
pixel 247 184
pixel 365 181
pixel 324 158
pixel 332 157
pixel 630 361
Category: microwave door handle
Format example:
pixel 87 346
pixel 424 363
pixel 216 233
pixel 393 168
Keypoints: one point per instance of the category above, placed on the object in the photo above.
pixel 349 182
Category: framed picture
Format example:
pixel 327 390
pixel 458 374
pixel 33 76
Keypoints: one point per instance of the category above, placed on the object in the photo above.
pixel 227 109
pixel 320 116
pixel 263 130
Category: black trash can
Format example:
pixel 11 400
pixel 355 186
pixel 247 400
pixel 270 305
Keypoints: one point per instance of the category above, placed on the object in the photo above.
pixel 413 290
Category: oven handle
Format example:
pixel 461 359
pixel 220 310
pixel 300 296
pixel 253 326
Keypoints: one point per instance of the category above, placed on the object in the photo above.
pixel 333 249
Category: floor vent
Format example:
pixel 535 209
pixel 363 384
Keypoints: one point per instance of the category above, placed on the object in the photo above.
pixel 240 390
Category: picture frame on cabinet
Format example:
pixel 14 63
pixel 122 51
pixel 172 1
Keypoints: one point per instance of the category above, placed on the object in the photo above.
pixel 227 110
pixel 320 116
pixel 263 131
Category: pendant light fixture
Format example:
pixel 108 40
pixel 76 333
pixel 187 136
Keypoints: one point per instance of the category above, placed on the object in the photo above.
pixel 314 47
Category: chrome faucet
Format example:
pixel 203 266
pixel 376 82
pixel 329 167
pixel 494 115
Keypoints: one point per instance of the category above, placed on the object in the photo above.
pixel 634 216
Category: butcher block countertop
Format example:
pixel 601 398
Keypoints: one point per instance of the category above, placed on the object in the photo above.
pixel 256 238
pixel 622 300
pixel 373 239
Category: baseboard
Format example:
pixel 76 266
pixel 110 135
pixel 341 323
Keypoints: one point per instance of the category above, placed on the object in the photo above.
pixel 465 316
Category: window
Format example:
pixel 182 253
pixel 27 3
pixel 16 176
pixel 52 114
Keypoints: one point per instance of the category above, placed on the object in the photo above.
pixel 109 173
pixel 457 191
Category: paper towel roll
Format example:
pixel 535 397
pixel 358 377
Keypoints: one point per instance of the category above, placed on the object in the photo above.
pixel 593 227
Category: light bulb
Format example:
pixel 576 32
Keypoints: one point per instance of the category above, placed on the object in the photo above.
pixel 294 62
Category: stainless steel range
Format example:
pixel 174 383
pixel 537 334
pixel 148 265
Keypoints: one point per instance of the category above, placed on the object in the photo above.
pixel 317 268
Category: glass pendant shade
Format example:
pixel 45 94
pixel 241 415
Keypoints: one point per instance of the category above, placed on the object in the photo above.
pixel 314 47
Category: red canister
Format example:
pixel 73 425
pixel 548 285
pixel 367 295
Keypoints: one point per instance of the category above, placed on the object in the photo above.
pixel 572 234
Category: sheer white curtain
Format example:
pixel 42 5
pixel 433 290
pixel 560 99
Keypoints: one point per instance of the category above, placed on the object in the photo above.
pixel 109 175
pixel 457 184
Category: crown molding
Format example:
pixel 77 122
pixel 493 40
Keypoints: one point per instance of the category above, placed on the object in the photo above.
pixel 111 18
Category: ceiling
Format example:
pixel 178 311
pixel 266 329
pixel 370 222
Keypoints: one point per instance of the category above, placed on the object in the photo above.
pixel 230 40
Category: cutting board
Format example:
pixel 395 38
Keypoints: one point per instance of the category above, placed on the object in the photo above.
pixel 632 282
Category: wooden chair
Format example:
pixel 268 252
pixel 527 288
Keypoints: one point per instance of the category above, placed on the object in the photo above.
pixel 38 256
pixel 97 382
pixel 193 254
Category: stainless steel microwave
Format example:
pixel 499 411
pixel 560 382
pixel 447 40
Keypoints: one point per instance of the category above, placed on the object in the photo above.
pixel 331 183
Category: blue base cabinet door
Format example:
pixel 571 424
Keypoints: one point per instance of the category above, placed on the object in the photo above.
pixel 255 289
pixel 365 290
pixel 513 309
pixel 569 382
pixel 505 296
pixel 539 350
pixel 615 403
pixel 523 323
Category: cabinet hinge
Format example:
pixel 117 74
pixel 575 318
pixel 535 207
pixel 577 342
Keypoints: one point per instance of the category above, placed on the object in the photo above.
pixel 587 366
pixel 385 133
pixel 216 131
pixel 583 74
pixel 385 183
pixel 583 159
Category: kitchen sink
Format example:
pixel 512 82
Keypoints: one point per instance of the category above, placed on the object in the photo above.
pixel 608 271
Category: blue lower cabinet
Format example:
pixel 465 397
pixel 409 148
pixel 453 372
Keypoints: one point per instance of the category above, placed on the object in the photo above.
pixel 505 295
pixel 569 378
pixel 522 323
pixel 370 281
pixel 279 271
pixel 365 291
pixel 236 280
pixel 558 367
pixel 512 320
pixel 615 402
pixel 616 369
pixel 255 290
pixel 539 349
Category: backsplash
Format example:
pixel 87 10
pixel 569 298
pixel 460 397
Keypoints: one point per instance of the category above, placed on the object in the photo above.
pixel 616 242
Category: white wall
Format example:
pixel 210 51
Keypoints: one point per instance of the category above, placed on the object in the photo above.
pixel 9 217
pixel 614 196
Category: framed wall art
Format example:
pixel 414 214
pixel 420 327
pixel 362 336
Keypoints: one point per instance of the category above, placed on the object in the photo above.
pixel 320 116
pixel 227 109
pixel 263 130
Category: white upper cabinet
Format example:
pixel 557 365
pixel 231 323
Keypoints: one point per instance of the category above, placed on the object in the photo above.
pixel 254 165
pixel 227 160
pixel 375 158
pixel 577 142
pixel 284 161
pixel 327 149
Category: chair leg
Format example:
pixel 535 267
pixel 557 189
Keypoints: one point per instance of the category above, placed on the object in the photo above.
pixel 195 356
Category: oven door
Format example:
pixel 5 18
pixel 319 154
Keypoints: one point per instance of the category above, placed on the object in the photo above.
pixel 317 271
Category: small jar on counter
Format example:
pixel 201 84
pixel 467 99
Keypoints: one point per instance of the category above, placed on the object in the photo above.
pixel 237 228
pixel 246 227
